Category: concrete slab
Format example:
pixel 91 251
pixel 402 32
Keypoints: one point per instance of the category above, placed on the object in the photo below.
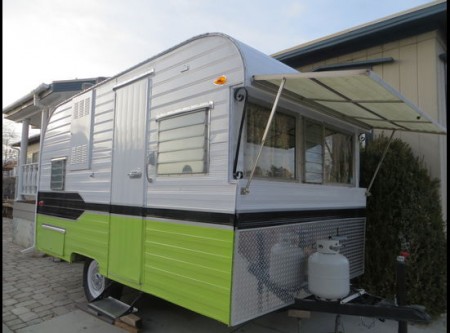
pixel 74 322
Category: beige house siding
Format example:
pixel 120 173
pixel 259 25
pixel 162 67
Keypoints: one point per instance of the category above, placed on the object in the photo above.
pixel 420 76
pixel 32 149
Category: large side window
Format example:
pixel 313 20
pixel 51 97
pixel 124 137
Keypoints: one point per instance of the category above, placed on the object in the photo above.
pixel 277 158
pixel 58 174
pixel 313 159
pixel 183 143
pixel 328 155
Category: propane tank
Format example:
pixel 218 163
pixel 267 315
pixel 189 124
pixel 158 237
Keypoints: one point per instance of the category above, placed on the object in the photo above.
pixel 285 265
pixel 328 271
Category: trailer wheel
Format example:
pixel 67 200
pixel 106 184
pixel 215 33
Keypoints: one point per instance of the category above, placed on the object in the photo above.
pixel 94 283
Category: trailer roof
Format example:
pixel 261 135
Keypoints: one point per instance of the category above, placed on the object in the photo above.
pixel 357 96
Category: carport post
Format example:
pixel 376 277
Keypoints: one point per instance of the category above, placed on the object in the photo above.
pixel 401 291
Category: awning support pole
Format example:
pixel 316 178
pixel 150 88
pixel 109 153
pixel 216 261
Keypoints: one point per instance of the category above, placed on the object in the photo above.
pixel 245 190
pixel 379 164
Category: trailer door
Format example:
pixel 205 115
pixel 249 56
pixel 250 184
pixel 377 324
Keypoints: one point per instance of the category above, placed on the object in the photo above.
pixel 128 181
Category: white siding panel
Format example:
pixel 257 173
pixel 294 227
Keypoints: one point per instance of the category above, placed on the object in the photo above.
pixel 216 198
pixel 266 195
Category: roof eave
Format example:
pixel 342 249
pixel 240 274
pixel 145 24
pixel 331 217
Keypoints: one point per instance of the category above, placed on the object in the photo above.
pixel 423 19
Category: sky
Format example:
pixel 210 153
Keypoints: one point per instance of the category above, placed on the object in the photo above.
pixel 51 40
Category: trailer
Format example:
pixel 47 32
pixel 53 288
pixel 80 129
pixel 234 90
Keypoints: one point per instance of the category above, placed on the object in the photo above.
pixel 206 174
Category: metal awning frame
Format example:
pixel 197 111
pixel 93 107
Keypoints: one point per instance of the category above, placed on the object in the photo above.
pixel 246 190
pixel 379 164
pixel 273 83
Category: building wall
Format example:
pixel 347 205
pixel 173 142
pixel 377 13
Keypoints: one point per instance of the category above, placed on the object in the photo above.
pixel 420 76
pixel 32 153
pixel 23 223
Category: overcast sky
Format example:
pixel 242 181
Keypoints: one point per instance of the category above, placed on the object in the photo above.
pixel 50 40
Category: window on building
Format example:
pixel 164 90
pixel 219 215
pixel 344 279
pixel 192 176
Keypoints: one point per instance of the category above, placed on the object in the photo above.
pixel 58 174
pixel 35 157
pixel 183 143
pixel 328 155
pixel 277 158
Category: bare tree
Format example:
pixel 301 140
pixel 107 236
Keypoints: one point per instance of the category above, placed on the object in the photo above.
pixel 9 136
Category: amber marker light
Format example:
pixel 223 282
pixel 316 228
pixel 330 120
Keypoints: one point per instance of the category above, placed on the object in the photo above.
pixel 221 80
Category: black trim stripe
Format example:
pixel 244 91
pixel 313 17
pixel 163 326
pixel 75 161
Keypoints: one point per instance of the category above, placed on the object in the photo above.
pixel 264 219
pixel 206 217
pixel 71 206
pixel 61 204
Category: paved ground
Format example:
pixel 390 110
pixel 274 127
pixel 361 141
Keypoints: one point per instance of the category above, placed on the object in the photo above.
pixel 36 289
pixel 41 295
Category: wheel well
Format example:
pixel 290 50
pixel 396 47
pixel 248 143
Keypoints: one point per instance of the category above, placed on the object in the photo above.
pixel 76 257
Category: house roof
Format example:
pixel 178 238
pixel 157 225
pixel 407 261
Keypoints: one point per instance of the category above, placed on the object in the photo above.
pixel 428 17
pixel 45 95
pixel 31 140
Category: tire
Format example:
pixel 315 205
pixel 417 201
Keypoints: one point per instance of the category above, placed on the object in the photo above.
pixel 94 283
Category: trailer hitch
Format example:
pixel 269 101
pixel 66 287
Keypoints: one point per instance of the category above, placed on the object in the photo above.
pixel 362 304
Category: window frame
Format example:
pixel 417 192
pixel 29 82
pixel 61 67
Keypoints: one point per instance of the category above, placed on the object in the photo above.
pixel 63 174
pixel 280 111
pixel 324 127
pixel 206 141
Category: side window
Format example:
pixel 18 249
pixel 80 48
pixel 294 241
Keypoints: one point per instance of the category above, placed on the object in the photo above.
pixel 338 157
pixel 328 155
pixel 58 174
pixel 183 143
pixel 313 158
pixel 35 157
pixel 277 158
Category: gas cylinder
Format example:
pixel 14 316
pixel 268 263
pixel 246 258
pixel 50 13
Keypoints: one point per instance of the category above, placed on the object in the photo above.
pixel 328 271
pixel 285 265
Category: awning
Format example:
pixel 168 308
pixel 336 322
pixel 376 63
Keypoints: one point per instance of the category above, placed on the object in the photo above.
pixel 357 96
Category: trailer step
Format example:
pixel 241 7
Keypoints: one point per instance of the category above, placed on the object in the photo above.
pixel 111 307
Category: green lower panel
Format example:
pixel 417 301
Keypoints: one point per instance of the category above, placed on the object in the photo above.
pixel 190 266
pixel 88 236
pixel 125 250
pixel 52 240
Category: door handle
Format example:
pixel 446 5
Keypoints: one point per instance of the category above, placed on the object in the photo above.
pixel 135 173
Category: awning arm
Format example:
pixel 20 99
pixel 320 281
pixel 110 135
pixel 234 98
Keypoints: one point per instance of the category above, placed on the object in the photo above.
pixel 368 194
pixel 246 190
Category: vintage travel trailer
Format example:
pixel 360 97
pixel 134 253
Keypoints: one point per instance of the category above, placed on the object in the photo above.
pixel 207 174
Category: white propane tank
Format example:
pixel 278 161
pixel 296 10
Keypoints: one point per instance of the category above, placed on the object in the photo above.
pixel 328 271
pixel 285 265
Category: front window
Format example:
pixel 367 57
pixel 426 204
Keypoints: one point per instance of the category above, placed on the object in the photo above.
pixel 328 155
pixel 277 158
pixel 183 143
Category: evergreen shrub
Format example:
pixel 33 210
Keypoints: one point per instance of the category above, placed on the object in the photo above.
pixel 403 214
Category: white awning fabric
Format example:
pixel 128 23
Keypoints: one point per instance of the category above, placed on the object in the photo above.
pixel 358 96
